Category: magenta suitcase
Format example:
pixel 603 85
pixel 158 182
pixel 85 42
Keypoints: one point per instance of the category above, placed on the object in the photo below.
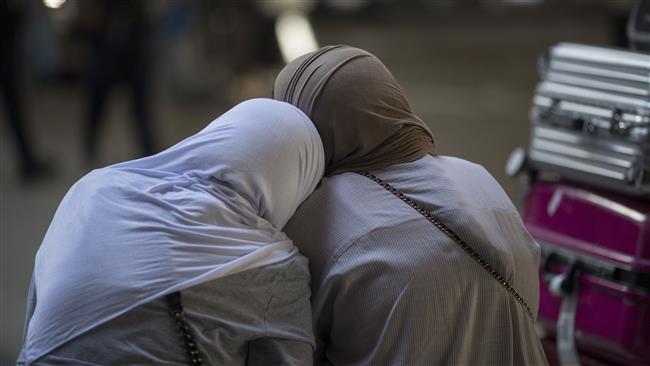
pixel 595 270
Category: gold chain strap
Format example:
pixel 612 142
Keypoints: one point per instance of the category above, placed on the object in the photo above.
pixel 453 236
pixel 178 313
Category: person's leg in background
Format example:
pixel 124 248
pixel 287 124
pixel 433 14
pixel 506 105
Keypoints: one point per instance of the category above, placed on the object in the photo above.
pixel 11 53
pixel 138 80
pixel 99 82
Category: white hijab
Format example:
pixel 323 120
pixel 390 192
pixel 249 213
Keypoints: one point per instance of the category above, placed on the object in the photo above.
pixel 210 206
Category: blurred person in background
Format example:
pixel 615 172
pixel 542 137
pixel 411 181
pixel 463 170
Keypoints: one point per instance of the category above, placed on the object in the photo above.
pixel 119 36
pixel 252 49
pixel 389 285
pixel 202 219
pixel 13 15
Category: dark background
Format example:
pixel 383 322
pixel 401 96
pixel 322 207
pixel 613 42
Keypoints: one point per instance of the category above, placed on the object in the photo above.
pixel 469 68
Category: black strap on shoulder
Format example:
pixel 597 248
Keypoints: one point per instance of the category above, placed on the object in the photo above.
pixel 176 310
pixel 453 236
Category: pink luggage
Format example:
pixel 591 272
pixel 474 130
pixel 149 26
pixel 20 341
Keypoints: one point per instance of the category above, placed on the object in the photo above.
pixel 595 288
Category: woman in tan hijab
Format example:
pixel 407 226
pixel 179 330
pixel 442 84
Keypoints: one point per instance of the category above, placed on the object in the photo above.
pixel 415 258
pixel 361 112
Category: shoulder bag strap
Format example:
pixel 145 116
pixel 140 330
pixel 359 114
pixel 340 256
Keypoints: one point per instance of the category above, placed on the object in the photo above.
pixel 453 236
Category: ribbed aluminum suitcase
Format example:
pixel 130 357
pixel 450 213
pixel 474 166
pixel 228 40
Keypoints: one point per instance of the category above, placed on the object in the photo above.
pixel 591 117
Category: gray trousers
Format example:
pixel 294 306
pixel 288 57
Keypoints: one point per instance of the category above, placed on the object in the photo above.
pixel 257 317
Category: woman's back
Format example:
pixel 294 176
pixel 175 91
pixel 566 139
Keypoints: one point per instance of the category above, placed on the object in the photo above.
pixel 390 288
pixel 210 206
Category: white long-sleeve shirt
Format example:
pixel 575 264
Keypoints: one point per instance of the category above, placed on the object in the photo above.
pixel 389 288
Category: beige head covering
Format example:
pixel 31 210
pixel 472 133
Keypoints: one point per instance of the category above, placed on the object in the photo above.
pixel 360 111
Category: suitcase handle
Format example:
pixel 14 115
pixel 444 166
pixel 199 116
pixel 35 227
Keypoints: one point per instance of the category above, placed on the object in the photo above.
pixel 636 279
pixel 618 125
pixel 565 286
pixel 560 284
pixel 552 115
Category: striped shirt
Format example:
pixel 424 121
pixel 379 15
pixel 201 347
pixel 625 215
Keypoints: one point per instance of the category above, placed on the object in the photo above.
pixel 389 288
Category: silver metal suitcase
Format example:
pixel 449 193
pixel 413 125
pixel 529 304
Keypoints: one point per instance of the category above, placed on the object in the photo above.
pixel 591 117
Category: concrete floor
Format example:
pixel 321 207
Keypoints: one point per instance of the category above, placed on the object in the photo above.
pixel 471 78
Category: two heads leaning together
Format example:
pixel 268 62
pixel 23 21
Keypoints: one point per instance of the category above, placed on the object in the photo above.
pixel 255 242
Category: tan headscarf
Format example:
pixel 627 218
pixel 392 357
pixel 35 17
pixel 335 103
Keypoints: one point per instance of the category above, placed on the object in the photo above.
pixel 361 113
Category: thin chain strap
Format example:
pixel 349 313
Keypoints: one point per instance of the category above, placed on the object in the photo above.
pixel 453 236
pixel 177 312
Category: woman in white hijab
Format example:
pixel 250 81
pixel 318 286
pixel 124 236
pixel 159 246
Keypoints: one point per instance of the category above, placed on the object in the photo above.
pixel 201 219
